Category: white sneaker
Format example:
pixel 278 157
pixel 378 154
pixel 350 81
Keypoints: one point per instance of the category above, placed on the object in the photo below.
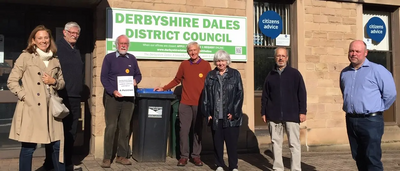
pixel 235 170
pixel 77 168
pixel 220 169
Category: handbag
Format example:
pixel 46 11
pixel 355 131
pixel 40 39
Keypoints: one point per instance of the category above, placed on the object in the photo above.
pixel 58 109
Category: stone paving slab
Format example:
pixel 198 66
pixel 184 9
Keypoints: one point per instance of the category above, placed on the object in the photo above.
pixel 311 161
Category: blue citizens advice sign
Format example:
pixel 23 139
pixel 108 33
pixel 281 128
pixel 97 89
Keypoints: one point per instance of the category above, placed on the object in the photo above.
pixel 376 29
pixel 270 24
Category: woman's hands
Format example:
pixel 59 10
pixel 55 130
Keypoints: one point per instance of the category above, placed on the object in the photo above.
pixel 47 79
pixel 230 117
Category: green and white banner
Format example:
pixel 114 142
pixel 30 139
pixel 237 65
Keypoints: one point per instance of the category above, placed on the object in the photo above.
pixel 164 35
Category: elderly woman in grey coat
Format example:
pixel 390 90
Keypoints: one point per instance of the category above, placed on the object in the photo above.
pixel 222 105
pixel 39 70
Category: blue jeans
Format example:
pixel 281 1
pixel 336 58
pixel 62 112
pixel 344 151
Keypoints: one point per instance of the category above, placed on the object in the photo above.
pixel 70 123
pixel 365 135
pixel 27 149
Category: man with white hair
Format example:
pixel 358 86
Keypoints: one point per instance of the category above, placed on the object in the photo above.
pixel 118 108
pixel 72 68
pixel 191 74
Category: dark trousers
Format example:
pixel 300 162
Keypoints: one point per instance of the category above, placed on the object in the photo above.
pixel 70 123
pixel 365 135
pixel 230 135
pixel 27 149
pixel 118 114
pixel 190 121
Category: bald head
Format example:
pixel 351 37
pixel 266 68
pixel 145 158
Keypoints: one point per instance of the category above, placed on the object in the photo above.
pixel 360 42
pixel 357 53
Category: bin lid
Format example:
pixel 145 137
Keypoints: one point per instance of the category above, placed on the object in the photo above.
pixel 149 93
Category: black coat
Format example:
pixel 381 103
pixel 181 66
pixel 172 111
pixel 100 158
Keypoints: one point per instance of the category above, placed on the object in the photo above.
pixel 72 69
pixel 284 96
pixel 232 97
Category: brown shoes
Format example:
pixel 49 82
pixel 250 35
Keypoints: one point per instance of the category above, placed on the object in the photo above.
pixel 182 162
pixel 123 161
pixel 106 163
pixel 197 161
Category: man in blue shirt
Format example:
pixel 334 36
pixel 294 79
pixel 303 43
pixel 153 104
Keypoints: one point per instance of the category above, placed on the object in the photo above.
pixel 368 89
pixel 118 108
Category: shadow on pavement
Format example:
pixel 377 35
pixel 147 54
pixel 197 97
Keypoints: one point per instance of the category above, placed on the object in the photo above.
pixel 286 162
pixel 252 153
pixel 257 160
pixel 208 160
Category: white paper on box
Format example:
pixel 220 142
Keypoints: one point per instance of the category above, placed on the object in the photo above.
pixel 125 86
pixel 283 40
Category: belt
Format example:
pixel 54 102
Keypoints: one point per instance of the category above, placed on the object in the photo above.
pixel 362 115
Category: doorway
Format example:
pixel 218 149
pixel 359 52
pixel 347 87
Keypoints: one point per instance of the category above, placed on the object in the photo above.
pixel 16 23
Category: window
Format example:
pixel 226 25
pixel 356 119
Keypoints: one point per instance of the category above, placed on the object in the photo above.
pixel 379 52
pixel 379 45
pixel 12 40
pixel 264 46
pixel 16 23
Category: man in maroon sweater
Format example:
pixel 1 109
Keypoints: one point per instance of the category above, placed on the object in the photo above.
pixel 191 74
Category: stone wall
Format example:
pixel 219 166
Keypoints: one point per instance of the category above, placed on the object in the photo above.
pixel 329 27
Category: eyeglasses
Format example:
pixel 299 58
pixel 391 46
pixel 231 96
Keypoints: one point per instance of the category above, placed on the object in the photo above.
pixel 280 56
pixel 72 33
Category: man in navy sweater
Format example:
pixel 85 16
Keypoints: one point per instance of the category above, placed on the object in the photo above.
pixel 284 106
pixel 72 68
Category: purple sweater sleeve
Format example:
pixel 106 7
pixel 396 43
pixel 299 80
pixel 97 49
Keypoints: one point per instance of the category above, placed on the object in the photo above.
pixel 104 77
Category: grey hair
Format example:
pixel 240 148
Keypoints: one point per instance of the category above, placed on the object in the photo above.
pixel 276 50
pixel 117 40
pixel 222 55
pixel 71 24
pixel 191 44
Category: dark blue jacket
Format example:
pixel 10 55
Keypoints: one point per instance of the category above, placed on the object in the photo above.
pixel 284 96
pixel 72 69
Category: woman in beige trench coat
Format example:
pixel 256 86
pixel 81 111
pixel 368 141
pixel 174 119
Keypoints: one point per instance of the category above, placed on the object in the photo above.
pixel 38 69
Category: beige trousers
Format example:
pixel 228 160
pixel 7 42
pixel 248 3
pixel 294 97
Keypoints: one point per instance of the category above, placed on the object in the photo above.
pixel 293 133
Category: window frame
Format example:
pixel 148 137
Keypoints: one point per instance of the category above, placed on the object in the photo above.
pixel 390 114
pixel 282 6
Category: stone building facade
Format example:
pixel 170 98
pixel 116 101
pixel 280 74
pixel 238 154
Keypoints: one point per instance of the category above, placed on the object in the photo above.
pixel 159 73
pixel 321 31
pixel 328 27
